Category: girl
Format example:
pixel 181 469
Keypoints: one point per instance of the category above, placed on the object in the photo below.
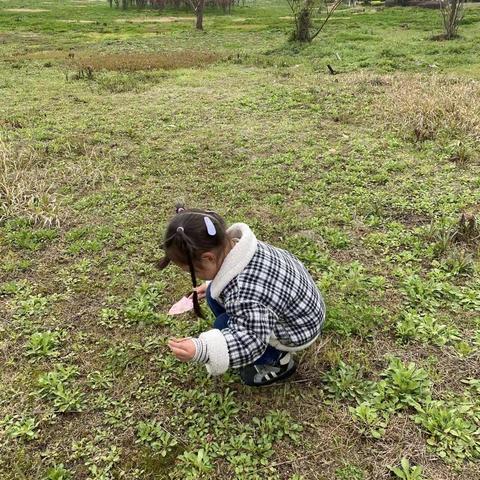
pixel 265 302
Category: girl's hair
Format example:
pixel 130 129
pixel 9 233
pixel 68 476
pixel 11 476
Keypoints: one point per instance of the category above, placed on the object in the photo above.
pixel 191 233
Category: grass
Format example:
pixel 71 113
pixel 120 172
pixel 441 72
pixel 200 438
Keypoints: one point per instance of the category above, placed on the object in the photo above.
pixel 108 117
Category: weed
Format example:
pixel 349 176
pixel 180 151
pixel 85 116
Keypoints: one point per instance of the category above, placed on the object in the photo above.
pixel 407 471
pixel 371 420
pixel 452 435
pixel 22 428
pixel 197 464
pixel 15 288
pixel 426 329
pixel 404 385
pixel 56 386
pixel 15 266
pixel 156 437
pixel 100 380
pixel 43 344
pixel 77 276
pixel 353 318
pixel 457 263
pixel 467 231
pixel 28 238
pixel 57 472
pixel 349 472
pixel 346 382
pixel 109 317
pixel 141 307
pixel 30 305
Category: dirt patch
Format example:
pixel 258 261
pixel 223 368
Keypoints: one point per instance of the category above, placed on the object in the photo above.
pixel 155 20
pixel 26 10
pixel 132 62
pixel 46 55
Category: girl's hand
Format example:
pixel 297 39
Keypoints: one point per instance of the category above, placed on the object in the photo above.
pixel 201 291
pixel 183 348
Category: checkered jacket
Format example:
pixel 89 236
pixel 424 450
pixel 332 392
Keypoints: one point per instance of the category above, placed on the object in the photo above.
pixel 270 298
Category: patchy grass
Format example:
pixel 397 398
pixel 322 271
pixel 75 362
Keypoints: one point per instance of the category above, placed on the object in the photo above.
pixel 134 62
pixel 330 167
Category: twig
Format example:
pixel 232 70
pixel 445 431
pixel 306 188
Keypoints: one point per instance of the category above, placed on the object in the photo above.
pixel 316 454
pixel 329 14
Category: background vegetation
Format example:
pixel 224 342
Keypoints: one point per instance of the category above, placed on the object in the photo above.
pixel 108 116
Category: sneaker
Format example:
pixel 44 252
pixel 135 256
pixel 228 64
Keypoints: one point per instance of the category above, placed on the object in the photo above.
pixel 260 375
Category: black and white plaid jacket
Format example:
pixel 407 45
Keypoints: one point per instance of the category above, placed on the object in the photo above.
pixel 270 298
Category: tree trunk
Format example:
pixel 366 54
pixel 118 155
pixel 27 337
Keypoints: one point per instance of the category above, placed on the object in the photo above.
pixel 199 13
pixel 304 23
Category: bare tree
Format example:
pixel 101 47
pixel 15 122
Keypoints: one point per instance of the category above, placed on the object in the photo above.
pixel 198 7
pixel 308 15
pixel 452 14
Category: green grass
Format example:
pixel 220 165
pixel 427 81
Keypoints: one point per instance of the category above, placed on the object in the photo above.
pixel 363 175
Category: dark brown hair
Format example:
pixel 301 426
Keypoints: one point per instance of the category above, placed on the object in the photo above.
pixel 191 233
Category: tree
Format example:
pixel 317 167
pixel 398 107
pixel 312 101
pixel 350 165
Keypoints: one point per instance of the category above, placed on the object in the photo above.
pixel 198 7
pixel 307 16
pixel 452 14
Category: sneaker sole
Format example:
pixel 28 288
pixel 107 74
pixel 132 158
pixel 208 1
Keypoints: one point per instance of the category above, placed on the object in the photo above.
pixel 279 378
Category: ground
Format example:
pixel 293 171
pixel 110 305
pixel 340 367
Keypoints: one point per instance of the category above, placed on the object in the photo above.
pixel 108 117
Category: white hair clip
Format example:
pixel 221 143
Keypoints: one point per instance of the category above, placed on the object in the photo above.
pixel 212 231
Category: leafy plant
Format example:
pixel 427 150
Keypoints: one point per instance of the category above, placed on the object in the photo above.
pixel 30 239
pixel 349 472
pixel 426 329
pixel 346 382
pixel 29 305
pixel 109 317
pixel 372 421
pixel 24 428
pixel 452 435
pixel 15 288
pixel 100 380
pixel 156 437
pixel 407 471
pixel 141 307
pixel 56 386
pixel 43 344
pixel 198 463
pixel 57 472
pixel 404 385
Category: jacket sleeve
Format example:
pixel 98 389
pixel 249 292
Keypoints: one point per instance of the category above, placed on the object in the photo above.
pixel 245 339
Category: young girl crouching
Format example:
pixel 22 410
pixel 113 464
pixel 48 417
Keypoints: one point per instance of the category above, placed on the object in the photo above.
pixel 266 304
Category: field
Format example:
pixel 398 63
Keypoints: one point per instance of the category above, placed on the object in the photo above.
pixel 108 117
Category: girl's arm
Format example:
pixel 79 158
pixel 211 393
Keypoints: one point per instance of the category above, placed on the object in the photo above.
pixel 242 342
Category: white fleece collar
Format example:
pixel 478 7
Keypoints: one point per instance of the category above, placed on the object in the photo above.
pixel 238 258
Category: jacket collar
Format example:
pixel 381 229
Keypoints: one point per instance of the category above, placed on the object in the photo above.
pixel 238 258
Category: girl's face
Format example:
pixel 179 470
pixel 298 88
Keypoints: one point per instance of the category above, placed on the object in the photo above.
pixel 207 268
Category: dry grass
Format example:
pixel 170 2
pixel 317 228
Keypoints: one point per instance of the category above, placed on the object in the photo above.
pixel 23 192
pixel 434 107
pixel 132 62
pixel 156 19
pixel 26 10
